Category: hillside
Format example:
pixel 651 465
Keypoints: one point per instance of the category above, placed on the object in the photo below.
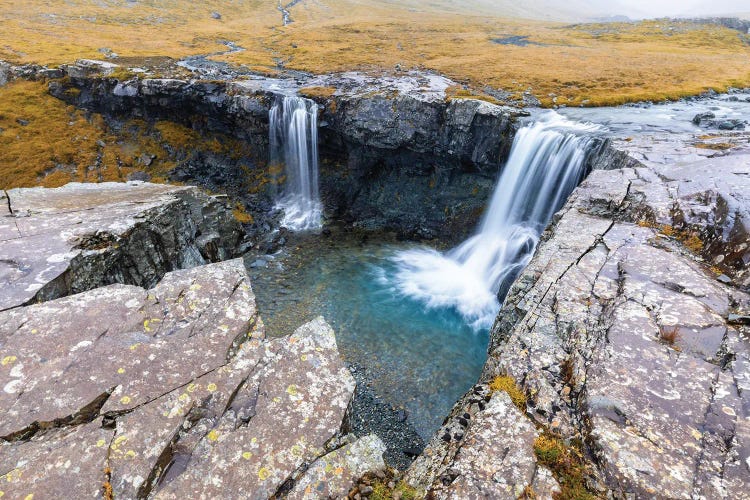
pixel 473 42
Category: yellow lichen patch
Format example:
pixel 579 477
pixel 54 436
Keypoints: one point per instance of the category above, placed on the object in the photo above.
pixel 247 455
pixel 263 474
pixel 211 387
pixel 9 360
pixel 507 384
pixel 125 400
pixel 121 371
pixel 213 435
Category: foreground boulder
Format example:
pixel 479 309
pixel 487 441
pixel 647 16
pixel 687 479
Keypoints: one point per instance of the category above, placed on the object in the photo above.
pixel 170 392
pixel 159 385
pixel 627 337
pixel 55 242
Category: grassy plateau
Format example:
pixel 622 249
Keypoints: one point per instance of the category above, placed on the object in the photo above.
pixel 480 45
pixel 593 64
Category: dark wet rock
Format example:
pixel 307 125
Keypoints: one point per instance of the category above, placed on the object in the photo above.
pixel 81 236
pixel 701 117
pixel 399 139
pixel 622 338
pixel 707 120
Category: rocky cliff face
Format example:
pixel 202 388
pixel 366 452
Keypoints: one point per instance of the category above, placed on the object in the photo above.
pixel 57 242
pixel 165 387
pixel 625 340
pixel 394 153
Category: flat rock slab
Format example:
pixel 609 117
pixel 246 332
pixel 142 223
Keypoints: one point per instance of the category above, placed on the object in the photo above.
pixel 332 475
pixel 496 459
pixel 170 392
pixel 54 242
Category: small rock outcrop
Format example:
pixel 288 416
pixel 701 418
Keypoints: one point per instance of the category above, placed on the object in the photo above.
pixel 628 336
pixel 78 237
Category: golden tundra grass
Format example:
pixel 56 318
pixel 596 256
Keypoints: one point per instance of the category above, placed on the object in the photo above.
pixel 44 142
pixel 590 64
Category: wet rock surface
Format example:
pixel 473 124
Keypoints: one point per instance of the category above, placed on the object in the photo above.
pixel 55 242
pixel 621 334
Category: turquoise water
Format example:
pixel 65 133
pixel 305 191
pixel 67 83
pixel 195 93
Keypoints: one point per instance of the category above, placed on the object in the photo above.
pixel 421 360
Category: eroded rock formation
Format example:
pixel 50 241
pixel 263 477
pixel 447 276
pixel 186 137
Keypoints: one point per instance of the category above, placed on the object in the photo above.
pixel 628 333
pixel 55 242
pixel 163 391
pixel 395 152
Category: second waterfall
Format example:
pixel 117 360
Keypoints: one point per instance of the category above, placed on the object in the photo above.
pixel 546 163
pixel 293 137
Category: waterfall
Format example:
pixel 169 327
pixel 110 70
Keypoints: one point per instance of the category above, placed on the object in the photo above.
pixel 293 137
pixel 547 161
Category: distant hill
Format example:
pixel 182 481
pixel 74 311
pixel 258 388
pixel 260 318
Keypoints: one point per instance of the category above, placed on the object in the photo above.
pixel 542 10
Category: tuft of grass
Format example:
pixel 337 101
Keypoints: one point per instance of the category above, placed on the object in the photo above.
pixel 381 491
pixel 689 238
pixel 714 146
pixel 317 92
pixel 507 384
pixel 566 464
pixel 670 335
pixel 107 491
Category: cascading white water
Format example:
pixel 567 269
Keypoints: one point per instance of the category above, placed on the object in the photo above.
pixel 293 136
pixel 547 161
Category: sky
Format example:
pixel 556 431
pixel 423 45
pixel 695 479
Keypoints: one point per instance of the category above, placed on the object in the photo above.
pixel 655 8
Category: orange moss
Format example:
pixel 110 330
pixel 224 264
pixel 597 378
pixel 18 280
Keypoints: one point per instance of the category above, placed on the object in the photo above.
pixel 319 92
pixel 46 142
pixel 507 384
pixel 241 215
